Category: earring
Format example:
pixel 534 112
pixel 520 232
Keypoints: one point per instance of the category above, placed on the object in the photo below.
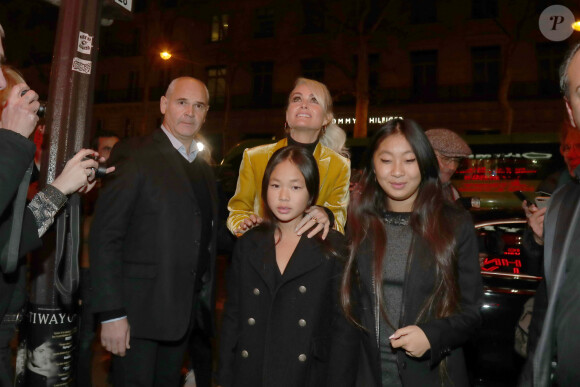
pixel 285 125
pixel 323 129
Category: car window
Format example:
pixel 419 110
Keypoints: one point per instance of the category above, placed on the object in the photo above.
pixel 500 249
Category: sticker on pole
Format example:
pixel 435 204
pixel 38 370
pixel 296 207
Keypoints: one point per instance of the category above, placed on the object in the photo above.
pixel 81 65
pixel 85 43
pixel 125 4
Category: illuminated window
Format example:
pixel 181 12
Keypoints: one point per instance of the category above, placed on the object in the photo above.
pixel 262 74
pixel 219 27
pixel 216 84
pixel 424 68
pixel 313 68
pixel 264 23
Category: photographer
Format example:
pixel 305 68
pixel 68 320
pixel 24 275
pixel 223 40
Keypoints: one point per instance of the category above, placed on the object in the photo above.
pixel 18 119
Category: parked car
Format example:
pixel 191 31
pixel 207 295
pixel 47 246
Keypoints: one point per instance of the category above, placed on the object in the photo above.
pixel 508 283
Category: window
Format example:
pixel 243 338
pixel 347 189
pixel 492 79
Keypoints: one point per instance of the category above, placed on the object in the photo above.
pixel 104 82
pixel 486 70
pixel 264 23
pixel 423 11
pixel 374 69
pixel 313 68
pixel 262 83
pixel 133 87
pixel 424 72
pixel 484 9
pixel 550 55
pixel 216 84
pixel 164 77
pixel 314 22
pixel 219 27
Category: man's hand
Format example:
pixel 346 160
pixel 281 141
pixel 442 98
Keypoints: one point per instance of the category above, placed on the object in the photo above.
pixel 315 215
pixel 78 173
pixel 536 221
pixel 412 339
pixel 19 114
pixel 115 336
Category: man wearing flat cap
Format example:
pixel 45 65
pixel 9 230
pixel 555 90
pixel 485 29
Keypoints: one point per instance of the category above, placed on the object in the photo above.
pixel 450 149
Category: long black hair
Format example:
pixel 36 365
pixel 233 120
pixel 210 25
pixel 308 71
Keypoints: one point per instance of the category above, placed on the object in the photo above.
pixel 368 205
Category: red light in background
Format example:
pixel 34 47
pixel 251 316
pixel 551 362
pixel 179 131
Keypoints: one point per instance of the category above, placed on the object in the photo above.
pixel 501 265
pixel 512 251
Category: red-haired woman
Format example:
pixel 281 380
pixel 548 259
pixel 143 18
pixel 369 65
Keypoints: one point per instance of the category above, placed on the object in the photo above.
pixel 419 290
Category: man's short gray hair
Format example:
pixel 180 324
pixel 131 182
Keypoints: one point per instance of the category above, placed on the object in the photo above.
pixel 564 69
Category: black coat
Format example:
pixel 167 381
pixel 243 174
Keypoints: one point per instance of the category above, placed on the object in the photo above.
pixel 145 237
pixel 279 335
pixel 16 154
pixel 447 335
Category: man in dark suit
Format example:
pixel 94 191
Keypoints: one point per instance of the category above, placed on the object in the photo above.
pixel 559 343
pixel 153 241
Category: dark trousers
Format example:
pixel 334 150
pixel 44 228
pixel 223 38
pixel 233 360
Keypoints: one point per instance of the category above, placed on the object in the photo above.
pixel 86 332
pixel 150 363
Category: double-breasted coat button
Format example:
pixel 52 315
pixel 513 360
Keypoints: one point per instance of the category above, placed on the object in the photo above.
pixel 256 292
pixel 302 289
pixel 302 357
pixel 302 322
pixel 251 321
pixel 245 354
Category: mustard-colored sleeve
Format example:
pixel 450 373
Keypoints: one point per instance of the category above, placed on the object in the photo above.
pixel 337 200
pixel 241 205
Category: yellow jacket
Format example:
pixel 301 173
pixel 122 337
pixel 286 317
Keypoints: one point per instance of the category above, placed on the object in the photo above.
pixel 334 183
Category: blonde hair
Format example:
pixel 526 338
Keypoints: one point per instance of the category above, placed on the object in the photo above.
pixel 13 77
pixel 331 136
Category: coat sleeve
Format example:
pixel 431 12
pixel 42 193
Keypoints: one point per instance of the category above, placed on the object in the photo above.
pixel 337 201
pixel 230 321
pixel 114 209
pixel 451 332
pixel 241 205
pixel 16 153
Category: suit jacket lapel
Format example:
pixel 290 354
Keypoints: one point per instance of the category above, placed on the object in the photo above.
pixel 263 259
pixel 171 155
pixel 306 257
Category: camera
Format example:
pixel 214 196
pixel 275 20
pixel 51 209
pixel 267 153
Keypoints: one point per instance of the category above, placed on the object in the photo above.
pixel 101 170
pixel 42 109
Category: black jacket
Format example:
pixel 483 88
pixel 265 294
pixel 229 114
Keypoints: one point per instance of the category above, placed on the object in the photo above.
pixel 16 154
pixel 446 336
pixel 145 237
pixel 280 335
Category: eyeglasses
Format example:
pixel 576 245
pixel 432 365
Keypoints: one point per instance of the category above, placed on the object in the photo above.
pixel 565 148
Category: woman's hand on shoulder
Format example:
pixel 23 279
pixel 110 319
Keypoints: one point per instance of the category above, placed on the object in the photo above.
pixel 412 339
pixel 316 219
pixel 248 223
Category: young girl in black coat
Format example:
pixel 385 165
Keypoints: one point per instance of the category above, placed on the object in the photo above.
pixel 413 281
pixel 282 301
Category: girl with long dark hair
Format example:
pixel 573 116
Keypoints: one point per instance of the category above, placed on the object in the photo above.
pixel 283 289
pixel 412 282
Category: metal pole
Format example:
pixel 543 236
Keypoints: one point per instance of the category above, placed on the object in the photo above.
pixel 52 325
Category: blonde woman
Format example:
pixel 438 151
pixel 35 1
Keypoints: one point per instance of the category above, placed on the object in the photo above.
pixel 309 124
